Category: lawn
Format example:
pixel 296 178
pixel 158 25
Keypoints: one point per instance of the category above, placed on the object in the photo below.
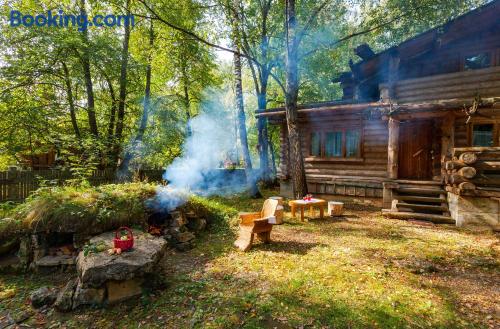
pixel 355 272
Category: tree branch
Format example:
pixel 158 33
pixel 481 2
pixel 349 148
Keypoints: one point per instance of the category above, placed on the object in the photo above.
pixel 192 34
pixel 311 19
pixel 350 36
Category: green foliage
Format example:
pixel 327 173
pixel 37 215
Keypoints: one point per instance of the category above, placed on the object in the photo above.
pixel 83 208
pixel 212 209
pixel 93 248
pixel 34 94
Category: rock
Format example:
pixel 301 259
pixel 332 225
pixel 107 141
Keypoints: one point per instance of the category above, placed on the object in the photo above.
pixel 122 290
pixel 178 219
pixel 43 297
pixel 184 237
pixel 87 296
pixel 64 301
pixel 49 261
pixel 196 224
pixel 184 246
pixel 96 269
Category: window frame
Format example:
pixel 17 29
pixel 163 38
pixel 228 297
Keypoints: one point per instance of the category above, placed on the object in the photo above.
pixel 490 52
pixel 496 131
pixel 323 131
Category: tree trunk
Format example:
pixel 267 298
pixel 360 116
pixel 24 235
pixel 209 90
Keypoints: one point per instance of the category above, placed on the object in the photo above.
pixel 187 101
pixel 123 88
pixel 88 77
pixel 147 105
pixel 262 135
pixel 147 90
pixel 292 90
pixel 112 114
pixel 241 112
pixel 262 132
pixel 251 181
pixel 69 95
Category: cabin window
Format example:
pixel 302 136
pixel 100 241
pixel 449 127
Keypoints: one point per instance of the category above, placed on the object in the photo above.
pixel 477 61
pixel 336 144
pixel 352 141
pixel 482 135
pixel 333 144
pixel 316 144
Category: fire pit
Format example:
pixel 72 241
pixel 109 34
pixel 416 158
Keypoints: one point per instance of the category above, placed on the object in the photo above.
pixel 53 249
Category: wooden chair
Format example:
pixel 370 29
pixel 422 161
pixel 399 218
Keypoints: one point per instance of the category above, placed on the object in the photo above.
pixel 256 223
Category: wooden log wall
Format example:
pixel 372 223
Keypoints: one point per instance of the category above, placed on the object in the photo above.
pixel 439 72
pixel 473 168
pixel 466 84
pixel 361 176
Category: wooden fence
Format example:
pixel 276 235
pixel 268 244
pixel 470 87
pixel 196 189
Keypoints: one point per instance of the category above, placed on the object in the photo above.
pixel 17 185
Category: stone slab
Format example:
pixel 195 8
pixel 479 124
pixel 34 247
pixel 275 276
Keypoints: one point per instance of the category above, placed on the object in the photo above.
pixel 55 260
pixel 122 290
pixel 96 269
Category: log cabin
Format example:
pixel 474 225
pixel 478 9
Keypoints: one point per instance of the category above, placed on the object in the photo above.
pixel 417 128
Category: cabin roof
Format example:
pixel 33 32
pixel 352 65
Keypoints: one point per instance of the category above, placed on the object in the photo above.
pixel 470 23
pixel 278 114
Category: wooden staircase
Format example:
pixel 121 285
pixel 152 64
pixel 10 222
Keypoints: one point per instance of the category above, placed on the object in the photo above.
pixel 425 200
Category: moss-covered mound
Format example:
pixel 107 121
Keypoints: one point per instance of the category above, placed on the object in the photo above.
pixel 80 209
pixel 94 210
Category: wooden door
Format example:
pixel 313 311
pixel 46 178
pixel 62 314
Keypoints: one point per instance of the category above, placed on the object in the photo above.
pixel 415 147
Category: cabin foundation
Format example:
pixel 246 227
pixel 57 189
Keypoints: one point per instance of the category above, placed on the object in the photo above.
pixel 475 211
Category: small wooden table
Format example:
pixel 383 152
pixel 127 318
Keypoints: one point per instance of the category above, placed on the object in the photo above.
pixel 301 204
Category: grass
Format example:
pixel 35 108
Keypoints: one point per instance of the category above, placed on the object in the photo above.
pixel 79 208
pixel 358 272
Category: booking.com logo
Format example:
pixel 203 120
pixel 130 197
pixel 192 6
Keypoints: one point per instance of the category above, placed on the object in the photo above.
pixel 64 20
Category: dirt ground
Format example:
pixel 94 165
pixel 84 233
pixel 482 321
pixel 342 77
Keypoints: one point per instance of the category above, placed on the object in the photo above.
pixel 357 271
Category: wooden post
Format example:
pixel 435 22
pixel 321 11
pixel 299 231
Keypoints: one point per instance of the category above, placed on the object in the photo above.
pixel 447 141
pixel 393 149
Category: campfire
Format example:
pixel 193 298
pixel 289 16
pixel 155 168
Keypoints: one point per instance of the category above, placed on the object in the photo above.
pixel 158 223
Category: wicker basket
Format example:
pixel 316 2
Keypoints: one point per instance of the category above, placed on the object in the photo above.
pixel 335 208
pixel 124 245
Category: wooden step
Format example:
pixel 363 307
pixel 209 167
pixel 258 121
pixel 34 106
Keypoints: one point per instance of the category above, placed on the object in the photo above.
pixel 422 206
pixel 420 191
pixel 438 219
pixel 419 198
pixel 418 182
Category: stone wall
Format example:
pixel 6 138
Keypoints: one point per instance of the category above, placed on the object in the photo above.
pixel 475 211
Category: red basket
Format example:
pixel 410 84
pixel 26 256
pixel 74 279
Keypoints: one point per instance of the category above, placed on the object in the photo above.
pixel 124 245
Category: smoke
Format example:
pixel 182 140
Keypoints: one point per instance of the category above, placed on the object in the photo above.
pixel 199 170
